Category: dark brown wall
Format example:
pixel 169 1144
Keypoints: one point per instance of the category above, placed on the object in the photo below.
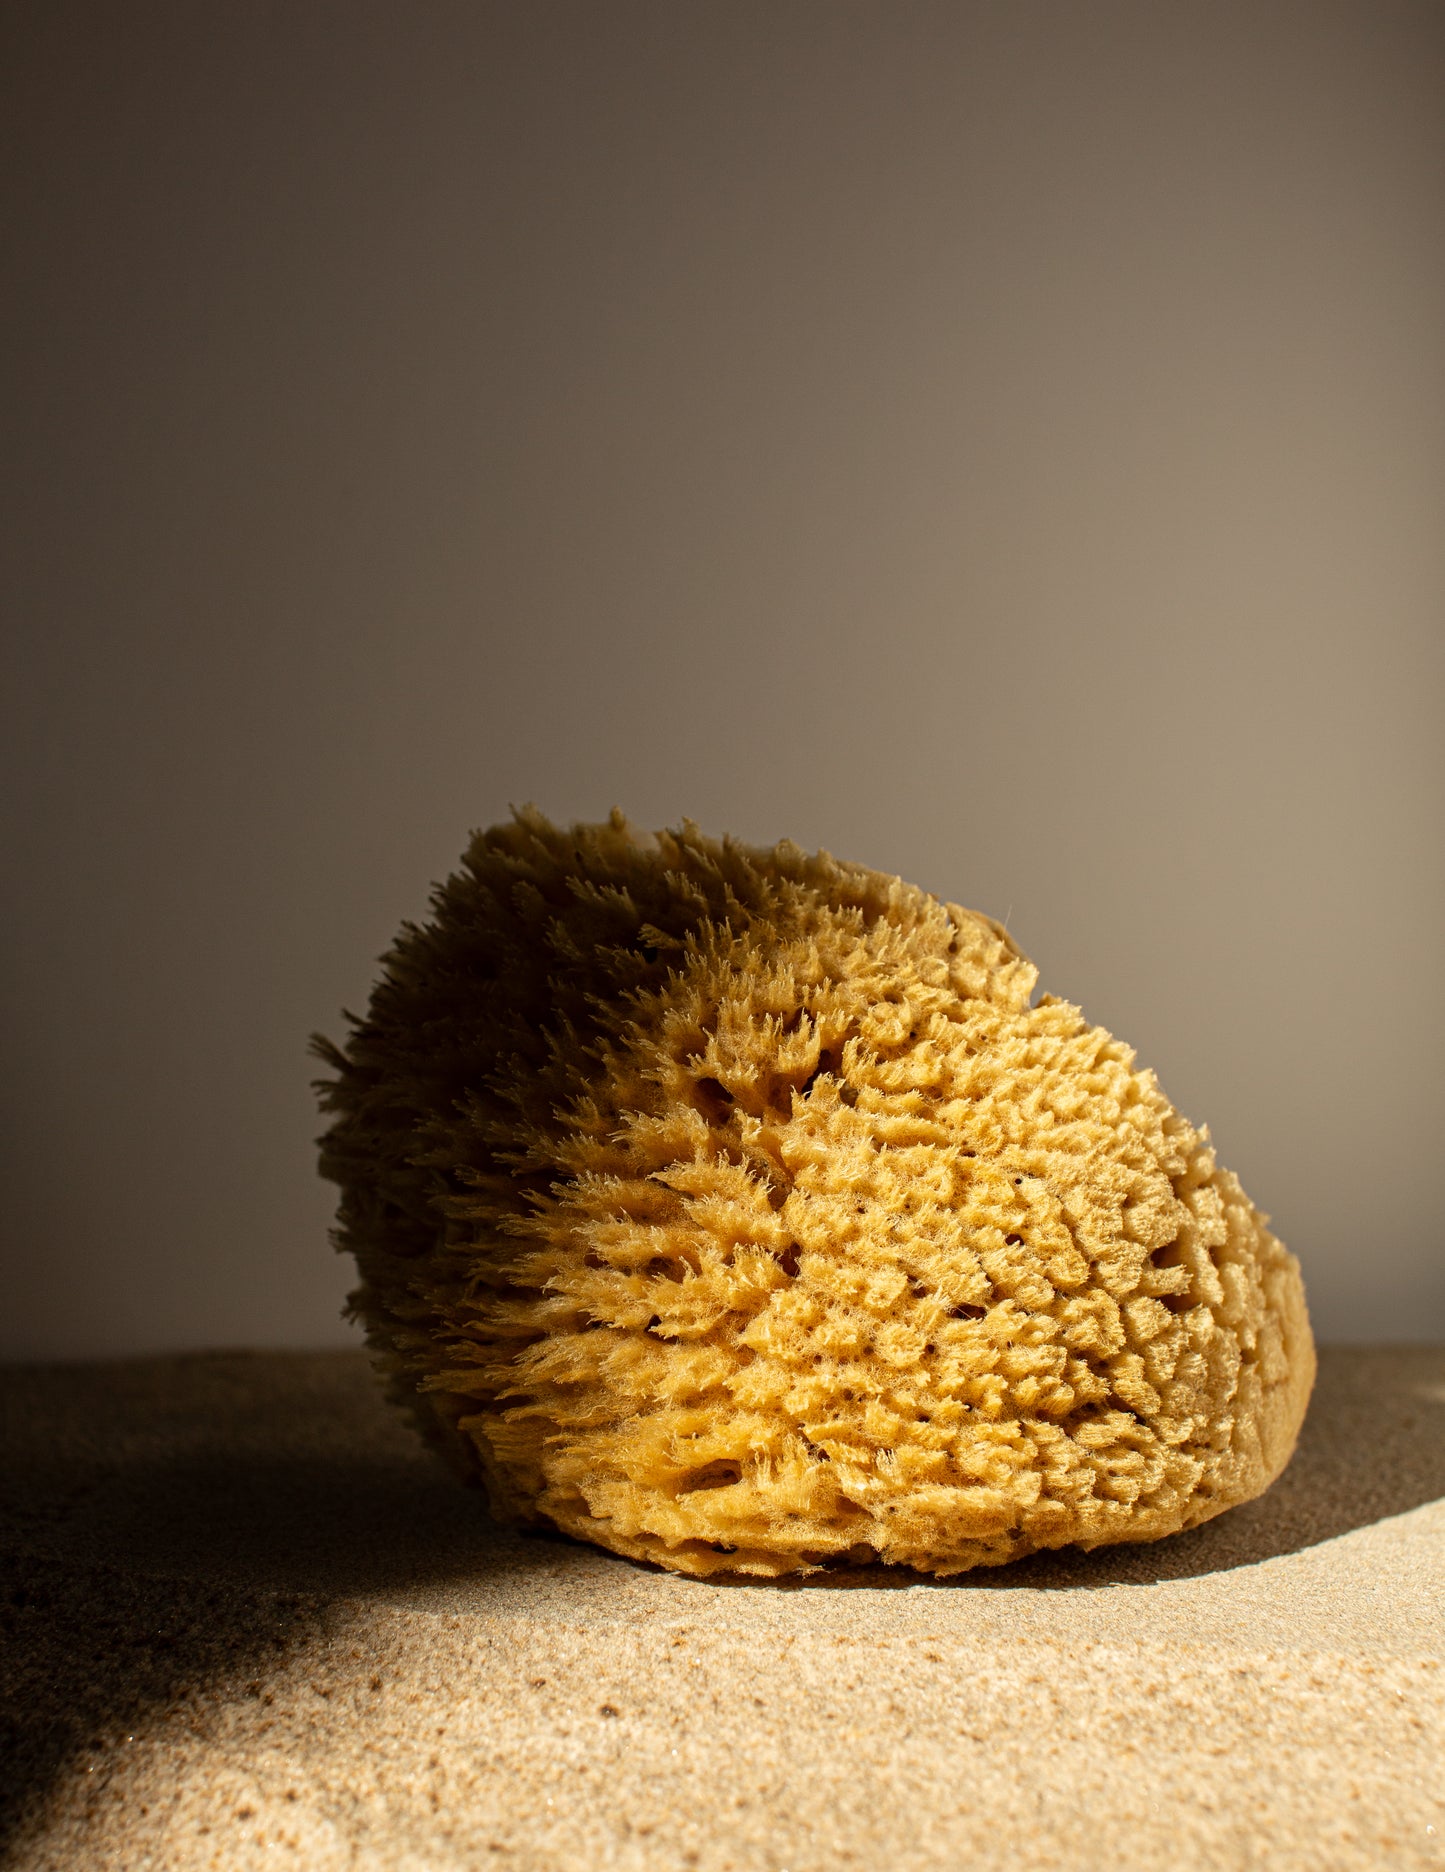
pixel 1002 443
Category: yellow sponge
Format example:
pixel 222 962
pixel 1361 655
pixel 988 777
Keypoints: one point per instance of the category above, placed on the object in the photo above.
pixel 736 1210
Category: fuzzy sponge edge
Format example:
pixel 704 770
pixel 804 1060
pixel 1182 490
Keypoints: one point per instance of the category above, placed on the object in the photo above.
pixel 735 1209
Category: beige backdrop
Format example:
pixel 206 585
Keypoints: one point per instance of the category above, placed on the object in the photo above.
pixel 1003 443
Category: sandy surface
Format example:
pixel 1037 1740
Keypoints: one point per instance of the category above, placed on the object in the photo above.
pixel 248 1622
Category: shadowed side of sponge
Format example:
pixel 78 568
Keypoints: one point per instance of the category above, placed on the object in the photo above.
pixel 736 1210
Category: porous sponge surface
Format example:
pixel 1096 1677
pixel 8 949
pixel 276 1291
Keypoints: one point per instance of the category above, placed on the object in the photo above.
pixel 736 1210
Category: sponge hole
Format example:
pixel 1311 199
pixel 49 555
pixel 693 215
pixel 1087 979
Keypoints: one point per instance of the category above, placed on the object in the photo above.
pixel 712 1475
pixel 1171 1255
pixel 829 1060
pixel 714 1100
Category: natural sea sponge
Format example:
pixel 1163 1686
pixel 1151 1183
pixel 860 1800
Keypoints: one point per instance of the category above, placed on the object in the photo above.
pixel 735 1209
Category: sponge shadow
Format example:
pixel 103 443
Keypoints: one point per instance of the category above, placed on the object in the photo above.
pixel 92 1652
pixel 174 1528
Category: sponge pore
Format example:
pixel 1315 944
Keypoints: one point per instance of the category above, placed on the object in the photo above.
pixel 736 1210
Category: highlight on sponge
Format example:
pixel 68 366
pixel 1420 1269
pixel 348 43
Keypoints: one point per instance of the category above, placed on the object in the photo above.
pixel 735 1209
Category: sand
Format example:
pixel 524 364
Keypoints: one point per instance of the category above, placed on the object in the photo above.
pixel 250 1622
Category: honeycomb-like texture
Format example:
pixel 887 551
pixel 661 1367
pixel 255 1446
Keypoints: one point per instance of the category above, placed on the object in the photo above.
pixel 735 1209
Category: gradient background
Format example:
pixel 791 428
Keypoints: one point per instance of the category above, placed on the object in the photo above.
pixel 1004 444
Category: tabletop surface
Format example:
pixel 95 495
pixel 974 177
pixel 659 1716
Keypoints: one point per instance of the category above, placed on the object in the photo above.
pixel 249 1618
